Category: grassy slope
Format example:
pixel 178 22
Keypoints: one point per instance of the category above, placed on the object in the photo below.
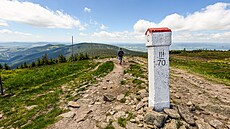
pixel 43 87
pixel 214 65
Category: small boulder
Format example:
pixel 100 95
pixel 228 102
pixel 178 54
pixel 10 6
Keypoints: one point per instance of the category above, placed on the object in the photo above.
pixel 73 104
pixel 155 118
pixel 1 116
pixel 108 98
pixel 132 120
pixel 140 105
pixel 104 88
pixel 186 115
pixel 202 125
pixel 139 118
pixel 121 96
pixel 171 125
pixel 189 103
pixel 70 114
pixel 172 113
pixel 215 123
pixel 177 96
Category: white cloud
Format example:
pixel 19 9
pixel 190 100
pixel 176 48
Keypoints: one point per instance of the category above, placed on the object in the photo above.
pixel 3 23
pixel 6 31
pixel 36 15
pixel 103 27
pixel 122 34
pixel 213 17
pixel 201 37
pixel 87 10
pixel 83 34
pixel 142 25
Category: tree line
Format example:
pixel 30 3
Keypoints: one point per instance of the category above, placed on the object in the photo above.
pixel 45 60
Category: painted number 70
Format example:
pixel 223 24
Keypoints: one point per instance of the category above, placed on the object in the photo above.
pixel 161 62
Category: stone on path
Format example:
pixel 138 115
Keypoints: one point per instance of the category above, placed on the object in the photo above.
pixel 155 118
pixel 140 105
pixel 82 115
pixel 186 115
pixel 172 113
pixel 104 88
pixel 70 114
pixel 121 96
pixel 189 103
pixel 171 125
pixel 216 123
pixel 73 104
pixel 203 125
pixel 108 97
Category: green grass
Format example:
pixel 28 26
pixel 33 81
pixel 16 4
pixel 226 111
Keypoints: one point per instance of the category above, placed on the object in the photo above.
pixel 121 121
pixel 122 82
pixel 136 71
pixel 137 81
pixel 43 87
pixel 211 64
pixel 109 127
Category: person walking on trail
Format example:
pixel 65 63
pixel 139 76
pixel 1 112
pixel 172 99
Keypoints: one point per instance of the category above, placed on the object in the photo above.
pixel 120 55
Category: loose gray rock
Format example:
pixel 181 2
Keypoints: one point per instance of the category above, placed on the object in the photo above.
pixel 139 105
pixel 132 120
pixel 203 125
pixel 171 125
pixel 172 113
pixel 155 118
pixel 189 103
pixel 73 104
pixel 215 123
pixel 70 114
pixel 186 115
pixel 108 98
pixel 119 114
pixel 143 93
pixel 82 115
pixel 121 96
pixel 139 118
pixel 177 96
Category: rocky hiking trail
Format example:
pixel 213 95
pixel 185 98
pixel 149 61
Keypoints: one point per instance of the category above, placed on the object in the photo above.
pixel 120 101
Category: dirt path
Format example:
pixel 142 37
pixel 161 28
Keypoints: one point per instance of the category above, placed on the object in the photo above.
pixel 93 108
pixel 208 101
pixel 211 100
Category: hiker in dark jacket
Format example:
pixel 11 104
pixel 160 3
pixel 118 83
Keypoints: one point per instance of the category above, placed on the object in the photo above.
pixel 120 55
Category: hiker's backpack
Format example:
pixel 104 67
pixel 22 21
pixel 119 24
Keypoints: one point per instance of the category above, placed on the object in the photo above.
pixel 120 53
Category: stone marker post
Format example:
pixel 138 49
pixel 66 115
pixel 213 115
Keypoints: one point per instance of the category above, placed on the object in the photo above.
pixel 158 42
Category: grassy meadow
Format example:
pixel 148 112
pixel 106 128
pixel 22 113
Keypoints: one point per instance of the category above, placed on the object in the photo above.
pixel 34 96
pixel 214 65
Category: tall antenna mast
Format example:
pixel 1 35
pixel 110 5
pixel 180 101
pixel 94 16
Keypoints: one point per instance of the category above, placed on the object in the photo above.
pixel 72 50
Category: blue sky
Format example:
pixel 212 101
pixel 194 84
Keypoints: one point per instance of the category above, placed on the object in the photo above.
pixel 113 21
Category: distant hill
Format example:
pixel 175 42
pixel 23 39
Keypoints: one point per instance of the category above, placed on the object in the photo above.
pixel 17 57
